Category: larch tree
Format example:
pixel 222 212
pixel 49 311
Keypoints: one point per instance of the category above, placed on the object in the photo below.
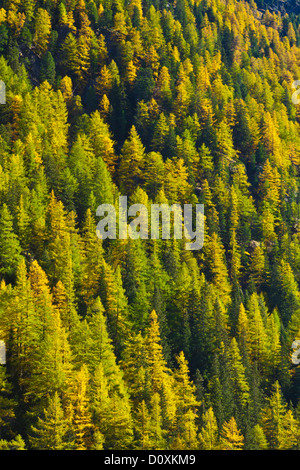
pixel 10 249
pixel 257 438
pixel 92 260
pixel 79 411
pixel 142 427
pixel 51 430
pixel 52 358
pixel 238 377
pixel 101 140
pixel 42 30
pixel 20 326
pixel 131 163
pixel 257 340
pixel 288 432
pixel 7 404
pixel 161 378
pixel 111 412
pixel 185 432
pixel 116 306
pixel 217 269
pixel 231 437
pixel 272 417
pixel 208 436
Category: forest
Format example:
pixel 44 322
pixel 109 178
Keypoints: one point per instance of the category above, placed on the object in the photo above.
pixel 142 344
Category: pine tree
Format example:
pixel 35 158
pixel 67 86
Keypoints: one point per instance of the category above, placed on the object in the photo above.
pixel 10 249
pixel 164 85
pixel 238 378
pixel 116 307
pixel 187 103
pixel 48 72
pixel 161 379
pixel 187 407
pixel 70 54
pixel 100 347
pixel 257 438
pixel 217 267
pixel 231 437
pixel 7 405
pixel 142 427
pixel 50 432
pixel 273 327
pixel 14 444
pixel 132 163
pixel 92 251
pixel 52 358
pixel 160 133
pixel 154 172
pixel 156 362
pixel 67 311
pixel 101 141
pixel 243 330
pixel 61 248
pixel 257 333
pixel 208 436
pixel 185 390
pixel 111 412
pixel 23 222
pixel 288 432
pixel 134 365
pixel 272 417
pixel 80 413
pixel 20 326
pixel 42 30
pixel 156 432
pixel 257 267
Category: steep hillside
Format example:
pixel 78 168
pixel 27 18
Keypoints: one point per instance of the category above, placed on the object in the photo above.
pixel 142 344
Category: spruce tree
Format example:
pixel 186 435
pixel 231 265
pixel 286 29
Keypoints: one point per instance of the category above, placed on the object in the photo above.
pixel 51 430
pixel 10 249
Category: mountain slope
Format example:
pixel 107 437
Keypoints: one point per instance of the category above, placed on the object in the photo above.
pixel 142 344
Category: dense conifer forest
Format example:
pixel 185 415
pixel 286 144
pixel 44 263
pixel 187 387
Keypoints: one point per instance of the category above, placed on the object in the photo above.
pixel 142 344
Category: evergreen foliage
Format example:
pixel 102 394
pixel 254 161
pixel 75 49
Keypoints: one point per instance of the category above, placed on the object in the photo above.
pixel 140 344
